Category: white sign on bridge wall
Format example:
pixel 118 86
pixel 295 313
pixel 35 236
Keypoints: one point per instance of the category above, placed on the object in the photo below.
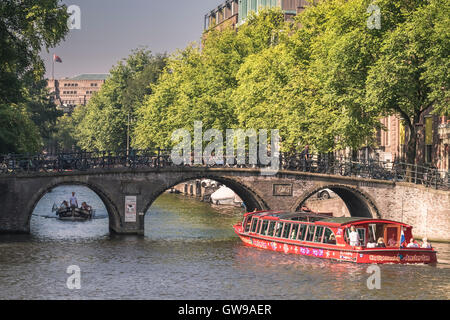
pixel 130 209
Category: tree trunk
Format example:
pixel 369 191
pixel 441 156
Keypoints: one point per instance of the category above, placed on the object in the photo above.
pixel 411 149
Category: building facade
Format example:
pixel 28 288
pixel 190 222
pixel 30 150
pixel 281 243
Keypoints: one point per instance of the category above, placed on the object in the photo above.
pixel 68 93
pixel 232 13
pixel 433 140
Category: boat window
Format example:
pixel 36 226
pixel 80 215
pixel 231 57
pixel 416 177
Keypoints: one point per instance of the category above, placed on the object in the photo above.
pixel 302 232
pixel 329 237
pixel 372 232
pixel 278 229
pixel 318 234
pixel 264 227
pixel 271 228
pixel 392 236
pixel 294 231
pixel 362 235
pixel 254 223
pixel 310 233
pixel 287 228
pixel 247 223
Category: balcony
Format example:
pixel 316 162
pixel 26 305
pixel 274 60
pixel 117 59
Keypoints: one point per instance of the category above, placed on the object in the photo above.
pixel 444 132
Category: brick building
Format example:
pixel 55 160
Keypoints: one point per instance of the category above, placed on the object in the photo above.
pixel 433 141
pixel 68 93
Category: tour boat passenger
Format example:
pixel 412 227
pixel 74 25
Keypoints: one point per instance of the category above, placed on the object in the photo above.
pixel 426 244
pixel 412 244
pixel 380 243
pixel 371 243
pixel 354 237
pixel 392 242
pixel 332 239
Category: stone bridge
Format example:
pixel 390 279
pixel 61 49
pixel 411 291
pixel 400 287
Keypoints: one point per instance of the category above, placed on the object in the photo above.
pixel 426 209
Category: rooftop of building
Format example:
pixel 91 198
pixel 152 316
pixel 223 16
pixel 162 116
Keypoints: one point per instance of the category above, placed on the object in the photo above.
pixel 90 76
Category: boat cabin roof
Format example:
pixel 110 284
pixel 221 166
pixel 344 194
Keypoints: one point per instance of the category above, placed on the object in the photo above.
pixel 324 219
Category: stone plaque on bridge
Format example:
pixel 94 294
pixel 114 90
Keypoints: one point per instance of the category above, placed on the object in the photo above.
pixel 130 209
pixel 282 190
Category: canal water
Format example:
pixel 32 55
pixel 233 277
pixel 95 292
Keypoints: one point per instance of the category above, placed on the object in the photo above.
pixel 189 251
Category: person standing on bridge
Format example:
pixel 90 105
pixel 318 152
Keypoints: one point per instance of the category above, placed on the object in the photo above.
pixel 304 158
pixel 73 202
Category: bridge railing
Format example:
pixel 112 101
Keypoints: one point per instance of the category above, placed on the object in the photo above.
pixel 159 158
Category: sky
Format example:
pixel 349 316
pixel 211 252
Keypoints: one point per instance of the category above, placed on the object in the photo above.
pixel 110 29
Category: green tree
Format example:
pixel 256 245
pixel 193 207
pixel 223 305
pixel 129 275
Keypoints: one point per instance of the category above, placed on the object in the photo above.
pixel 198 85
pixel 27 27
pixel 411 75
pixel 18 133
pixel 103 124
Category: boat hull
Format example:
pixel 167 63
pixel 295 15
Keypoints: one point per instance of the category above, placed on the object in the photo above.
pixel 76 215
pixel 365 256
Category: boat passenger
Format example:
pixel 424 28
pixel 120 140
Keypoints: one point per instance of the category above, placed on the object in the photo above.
pixel 354 237
pixel 392 242
pixel 73 202
pixel 412 244
pixel 293 234
pixel 426 244
pixel 380 243
pixel 64 205
pixel 332 239
pixel 371 243
pixel 86 207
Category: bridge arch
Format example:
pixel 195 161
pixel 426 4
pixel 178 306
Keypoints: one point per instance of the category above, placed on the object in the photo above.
pixel 358 203
pixel 113 213
pixel 249 196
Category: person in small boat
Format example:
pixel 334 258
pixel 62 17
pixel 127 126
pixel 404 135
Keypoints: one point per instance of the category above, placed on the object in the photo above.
pixel 64 205
pixel 73 202
pixel 86 207
pixel 412 244
pixel 426 244
pixel 380 243
pixel 371 243
pixel 353 237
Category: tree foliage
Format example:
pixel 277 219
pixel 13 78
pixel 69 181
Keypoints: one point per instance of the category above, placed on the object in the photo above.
pixel 410 75
pixel 103 123
pixel 324 80
pixel 27 27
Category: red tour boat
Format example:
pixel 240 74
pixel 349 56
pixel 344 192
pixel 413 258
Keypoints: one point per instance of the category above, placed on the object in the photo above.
pixel 324 236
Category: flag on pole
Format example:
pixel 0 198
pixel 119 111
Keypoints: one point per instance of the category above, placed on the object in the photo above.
pixel 402 239
pixel 56 58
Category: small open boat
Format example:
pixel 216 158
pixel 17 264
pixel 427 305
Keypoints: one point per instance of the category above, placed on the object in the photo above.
pixel 77 214
pixel 323 236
